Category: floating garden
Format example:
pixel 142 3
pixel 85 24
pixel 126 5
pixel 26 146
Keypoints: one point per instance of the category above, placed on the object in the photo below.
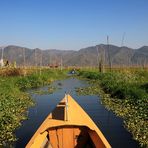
pixel 14 100
pixel 126 94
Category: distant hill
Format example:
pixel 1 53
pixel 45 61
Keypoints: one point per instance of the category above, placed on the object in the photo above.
pixel 83 57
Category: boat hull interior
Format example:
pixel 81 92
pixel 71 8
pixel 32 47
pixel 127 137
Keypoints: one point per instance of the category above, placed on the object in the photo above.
pixel 72 137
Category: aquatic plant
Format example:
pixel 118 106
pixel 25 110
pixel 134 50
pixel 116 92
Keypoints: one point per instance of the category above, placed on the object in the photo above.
pixel 125 93
pixel 14 101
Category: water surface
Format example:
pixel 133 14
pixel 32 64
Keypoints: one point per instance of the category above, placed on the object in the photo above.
pixel 109 124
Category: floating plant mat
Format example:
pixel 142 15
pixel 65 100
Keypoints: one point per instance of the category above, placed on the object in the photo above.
pixel 91 89
pixel 49 90
pixel 126 95
pixel 14 99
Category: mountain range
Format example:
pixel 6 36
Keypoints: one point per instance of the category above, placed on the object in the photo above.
pixel 90 56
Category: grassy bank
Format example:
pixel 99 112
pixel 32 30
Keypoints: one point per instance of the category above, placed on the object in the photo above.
pixel 14 101
pixel 125 93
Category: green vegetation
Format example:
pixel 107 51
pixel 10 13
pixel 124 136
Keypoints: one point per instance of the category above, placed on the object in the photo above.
pixel 125 93
pixel 14 101
pixel 36 79
pixel 44 92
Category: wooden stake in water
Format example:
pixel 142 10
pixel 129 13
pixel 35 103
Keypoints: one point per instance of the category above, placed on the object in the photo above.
pixel 61 65
pixel 24 58
pixel 41 62
pixel 109 55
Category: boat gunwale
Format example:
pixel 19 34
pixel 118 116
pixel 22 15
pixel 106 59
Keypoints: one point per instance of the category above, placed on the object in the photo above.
pixel 62 123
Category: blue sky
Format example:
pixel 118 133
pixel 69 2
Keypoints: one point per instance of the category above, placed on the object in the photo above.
pixel 73 24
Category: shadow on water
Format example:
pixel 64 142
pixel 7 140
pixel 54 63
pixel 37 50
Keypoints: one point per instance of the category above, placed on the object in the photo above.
pixel 109 124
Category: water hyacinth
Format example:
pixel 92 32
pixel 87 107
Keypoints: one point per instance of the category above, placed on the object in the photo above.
pixel 125 93
pixel 14 101
pixel 12 107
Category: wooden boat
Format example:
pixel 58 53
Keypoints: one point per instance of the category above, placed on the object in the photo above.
pixel 68 126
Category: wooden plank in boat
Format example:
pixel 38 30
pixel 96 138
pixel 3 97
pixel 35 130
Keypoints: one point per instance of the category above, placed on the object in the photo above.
pixel 68 138
pixel 53 138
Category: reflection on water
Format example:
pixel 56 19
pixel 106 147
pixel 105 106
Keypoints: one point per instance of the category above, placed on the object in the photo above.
pixel 110 125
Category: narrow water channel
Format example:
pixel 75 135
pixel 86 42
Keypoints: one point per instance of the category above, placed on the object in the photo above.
pixel 109 124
